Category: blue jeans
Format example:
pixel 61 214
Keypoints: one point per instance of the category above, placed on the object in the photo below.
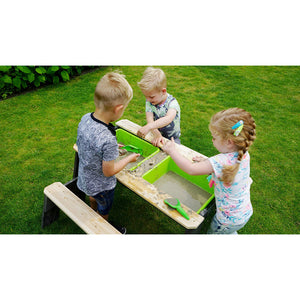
pixel 104 201
pixel 218 228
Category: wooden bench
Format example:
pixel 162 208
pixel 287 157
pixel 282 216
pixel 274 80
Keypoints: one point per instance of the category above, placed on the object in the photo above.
pixel 77 210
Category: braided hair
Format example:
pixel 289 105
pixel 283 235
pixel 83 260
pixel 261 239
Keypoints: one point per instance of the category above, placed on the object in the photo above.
pixel 221 124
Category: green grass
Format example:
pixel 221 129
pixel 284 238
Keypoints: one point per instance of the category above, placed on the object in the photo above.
pixel 38 130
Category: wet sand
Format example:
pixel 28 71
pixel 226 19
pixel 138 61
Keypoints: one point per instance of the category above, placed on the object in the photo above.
pixel 186 192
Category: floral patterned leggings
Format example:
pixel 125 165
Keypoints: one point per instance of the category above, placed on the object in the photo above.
pixel 218 228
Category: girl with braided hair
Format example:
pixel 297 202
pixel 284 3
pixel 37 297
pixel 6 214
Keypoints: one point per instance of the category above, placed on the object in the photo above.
pixel 233 132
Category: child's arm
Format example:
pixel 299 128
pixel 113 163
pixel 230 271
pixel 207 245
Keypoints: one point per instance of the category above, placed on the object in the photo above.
pixel 112 167
pixel 157 139
pixel 159 123
pixel 200 168
pixel 198 158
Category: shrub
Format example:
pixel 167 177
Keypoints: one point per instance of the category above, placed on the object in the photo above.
pixel 15 79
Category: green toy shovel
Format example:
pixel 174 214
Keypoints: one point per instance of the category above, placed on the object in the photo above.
pixel 175 203
pixel 134 149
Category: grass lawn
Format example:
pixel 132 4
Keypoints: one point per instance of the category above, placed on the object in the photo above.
pixel 38 130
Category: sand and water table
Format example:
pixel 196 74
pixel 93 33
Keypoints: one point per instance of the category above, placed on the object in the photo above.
pixel 155 177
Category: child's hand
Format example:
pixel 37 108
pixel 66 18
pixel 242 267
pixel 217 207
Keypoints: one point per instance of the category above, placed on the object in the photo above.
pixel 133 157
pixel 122 151
pixel 169 146
pixel 198 158
pixel 158 140
pixel 143 131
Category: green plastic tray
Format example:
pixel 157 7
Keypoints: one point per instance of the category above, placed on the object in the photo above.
pixel 126 138
pixel 167 165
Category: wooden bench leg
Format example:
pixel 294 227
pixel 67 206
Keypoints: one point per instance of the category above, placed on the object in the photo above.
pixel 76 162
pixel 51 211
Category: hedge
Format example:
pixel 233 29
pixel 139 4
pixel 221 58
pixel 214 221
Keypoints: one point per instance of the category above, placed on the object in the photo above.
pixel 16 79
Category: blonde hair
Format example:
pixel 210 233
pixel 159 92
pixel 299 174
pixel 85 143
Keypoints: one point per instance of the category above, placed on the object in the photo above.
pixel 221 125
pixel 111 90
pixel 153 79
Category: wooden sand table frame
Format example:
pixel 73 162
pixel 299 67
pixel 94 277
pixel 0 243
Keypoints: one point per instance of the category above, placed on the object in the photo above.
pixel 148 191
pixel 68 198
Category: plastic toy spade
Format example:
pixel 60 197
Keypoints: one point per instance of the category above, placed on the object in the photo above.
pixel 134 149
pixel 175 203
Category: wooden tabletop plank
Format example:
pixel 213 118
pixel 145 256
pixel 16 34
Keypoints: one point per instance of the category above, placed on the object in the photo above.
pixel 133 128
pixel 151 194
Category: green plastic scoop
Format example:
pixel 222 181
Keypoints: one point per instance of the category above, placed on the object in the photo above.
pixel 134 149
pixel 175 203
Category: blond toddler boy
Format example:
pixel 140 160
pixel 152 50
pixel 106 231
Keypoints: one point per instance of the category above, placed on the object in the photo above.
pixel 97 143
pixel 162 109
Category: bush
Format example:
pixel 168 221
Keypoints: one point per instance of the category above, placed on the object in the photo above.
pixel 15 79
